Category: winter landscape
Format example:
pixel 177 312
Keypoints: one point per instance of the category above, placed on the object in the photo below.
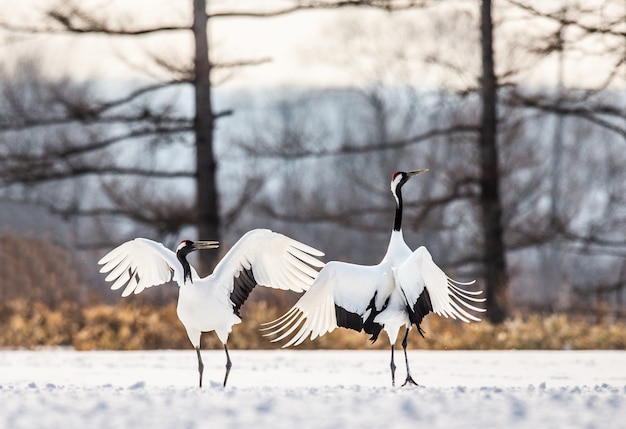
pixel 54 388
pixel 206 119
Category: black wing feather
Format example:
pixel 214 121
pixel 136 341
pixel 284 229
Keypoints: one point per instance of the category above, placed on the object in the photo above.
pixel 242 287
pixel 348 319
pixel 351 320
pixel 420 309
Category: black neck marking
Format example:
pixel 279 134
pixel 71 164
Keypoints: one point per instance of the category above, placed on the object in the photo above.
pixel 182 257
pixel 397 223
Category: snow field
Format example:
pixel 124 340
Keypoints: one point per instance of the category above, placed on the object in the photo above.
pixel 312 389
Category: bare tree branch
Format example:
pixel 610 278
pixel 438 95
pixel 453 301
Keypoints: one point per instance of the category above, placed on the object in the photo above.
pixel 587 111
pixel 348 149
pixel 40 174
pixel 77 21
pixel 609 27
pixel 388 5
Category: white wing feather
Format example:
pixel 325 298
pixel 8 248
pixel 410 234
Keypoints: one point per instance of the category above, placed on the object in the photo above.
pixel 448 299
pixel 349 286
pixel 139 264
pixel 276 260
pixel 313 315
pixel 353 286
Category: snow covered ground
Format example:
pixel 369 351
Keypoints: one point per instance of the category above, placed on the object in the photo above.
pixel 61 388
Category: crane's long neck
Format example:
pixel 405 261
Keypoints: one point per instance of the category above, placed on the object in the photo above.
pixel 182 257
pixel 397 223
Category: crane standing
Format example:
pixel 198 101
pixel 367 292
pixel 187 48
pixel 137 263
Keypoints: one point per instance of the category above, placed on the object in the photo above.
pixel 400 291
pixel 212 303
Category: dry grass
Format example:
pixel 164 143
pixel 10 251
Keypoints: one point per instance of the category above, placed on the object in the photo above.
pixel 44 305
pixel 139 326
pixel 38 270
pixel 552 332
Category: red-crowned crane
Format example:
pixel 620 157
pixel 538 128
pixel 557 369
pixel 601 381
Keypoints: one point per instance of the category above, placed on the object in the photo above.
pixel 260 257
pixel 400 291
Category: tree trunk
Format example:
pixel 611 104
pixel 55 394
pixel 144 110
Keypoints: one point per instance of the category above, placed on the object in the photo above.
pixel 496 281
pixel 207 201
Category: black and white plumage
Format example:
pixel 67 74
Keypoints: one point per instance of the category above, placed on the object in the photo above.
pixel 400 291
pixel 260 257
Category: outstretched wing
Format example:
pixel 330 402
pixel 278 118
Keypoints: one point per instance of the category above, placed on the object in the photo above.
pixel 138 264
pixel 343 295
pixel 266 258
pixel 426 288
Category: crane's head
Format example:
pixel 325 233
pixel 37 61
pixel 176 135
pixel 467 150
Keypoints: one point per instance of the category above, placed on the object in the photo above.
pixel 399 178
pixel 186 247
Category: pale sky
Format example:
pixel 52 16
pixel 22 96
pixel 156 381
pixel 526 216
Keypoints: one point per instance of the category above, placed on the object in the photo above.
pixel 292 43
pixel 344 47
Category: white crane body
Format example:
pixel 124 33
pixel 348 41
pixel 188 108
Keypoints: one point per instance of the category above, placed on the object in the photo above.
pixel 260 257
pixel 400 291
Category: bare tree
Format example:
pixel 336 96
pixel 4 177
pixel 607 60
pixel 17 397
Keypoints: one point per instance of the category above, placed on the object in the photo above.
pixel 137 109
pixel 75 19
pixel 487 192
pixel 494 254
pixel 208 217
pixel 504 188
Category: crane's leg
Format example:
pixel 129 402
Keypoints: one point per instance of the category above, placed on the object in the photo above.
pixel 200 364
pixel 229 364
pixel 409 379
pixel 393 368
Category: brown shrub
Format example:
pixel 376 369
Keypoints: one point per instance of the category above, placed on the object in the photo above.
pixel 132 326
pixel 38 270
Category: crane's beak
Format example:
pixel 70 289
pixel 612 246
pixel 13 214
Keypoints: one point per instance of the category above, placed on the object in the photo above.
pixel 416 172
pixel 201 245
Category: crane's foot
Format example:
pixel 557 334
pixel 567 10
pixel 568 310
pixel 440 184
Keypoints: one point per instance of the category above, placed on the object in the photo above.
pixel 409 380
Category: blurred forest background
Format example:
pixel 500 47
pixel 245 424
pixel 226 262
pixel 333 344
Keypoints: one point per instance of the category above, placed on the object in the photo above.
pixel 207 118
